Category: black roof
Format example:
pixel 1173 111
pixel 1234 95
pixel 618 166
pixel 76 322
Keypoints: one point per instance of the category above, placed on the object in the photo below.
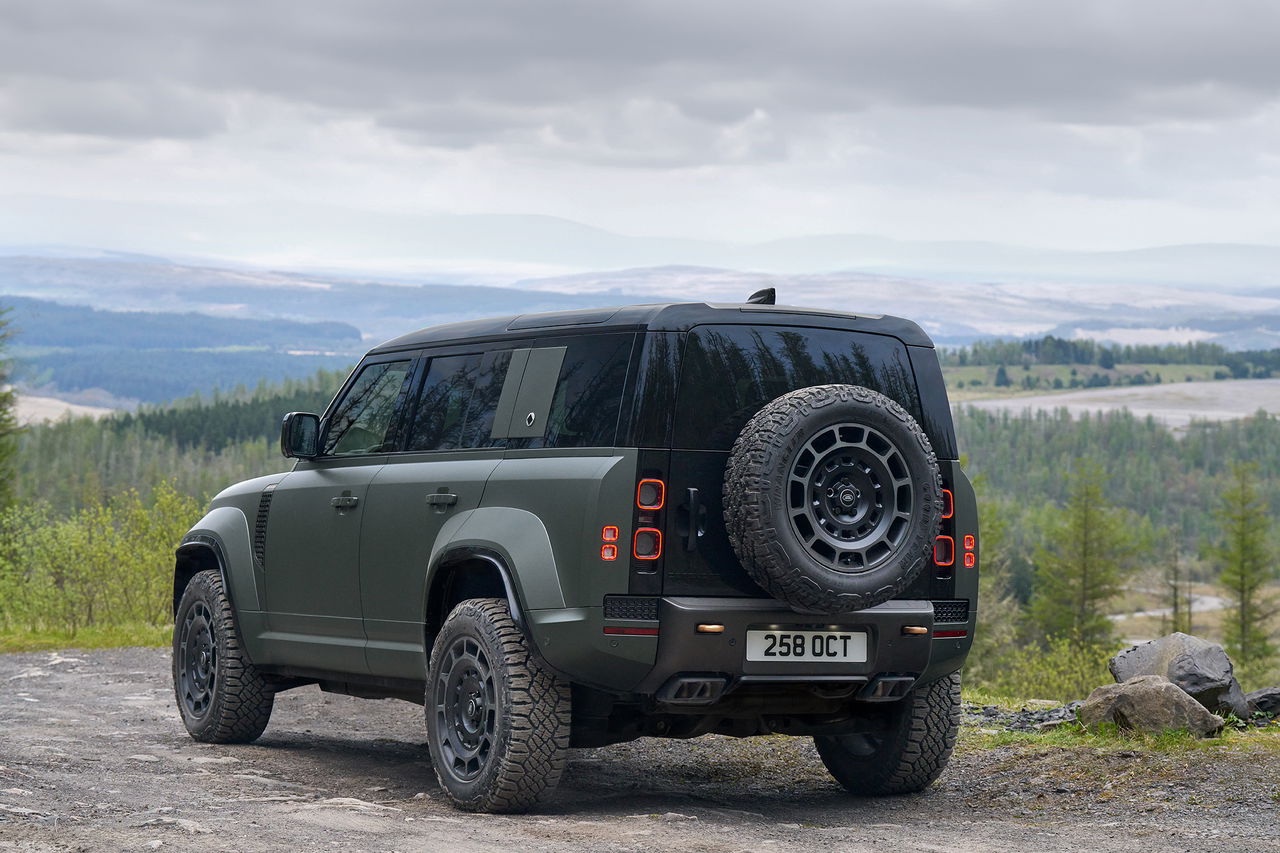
pixel 669 317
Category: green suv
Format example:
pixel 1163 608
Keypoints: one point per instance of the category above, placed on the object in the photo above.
pixel 576 529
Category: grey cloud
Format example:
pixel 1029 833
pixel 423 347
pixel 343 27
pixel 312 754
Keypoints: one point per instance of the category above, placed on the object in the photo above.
pixel 517 72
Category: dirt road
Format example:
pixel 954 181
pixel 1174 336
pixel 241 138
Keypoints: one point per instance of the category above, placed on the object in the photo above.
pixel 93 757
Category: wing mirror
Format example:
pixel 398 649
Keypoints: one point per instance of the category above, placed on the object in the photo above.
pixel 300 435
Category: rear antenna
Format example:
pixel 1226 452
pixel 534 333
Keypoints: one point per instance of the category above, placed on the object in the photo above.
pixel 768 296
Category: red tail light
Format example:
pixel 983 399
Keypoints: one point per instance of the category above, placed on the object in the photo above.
pixel 944 551
pixel 648 543
pixel 948 503
pixel 609 533
pixel 970 560
pixel 651 494
pixel 608 552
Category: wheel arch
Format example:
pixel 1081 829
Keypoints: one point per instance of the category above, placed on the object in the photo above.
pixel 462 573
pixel 220 541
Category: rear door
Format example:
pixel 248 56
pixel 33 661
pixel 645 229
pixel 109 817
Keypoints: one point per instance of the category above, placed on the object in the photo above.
pixel 728 373
pixel 311 556
pixel 449 451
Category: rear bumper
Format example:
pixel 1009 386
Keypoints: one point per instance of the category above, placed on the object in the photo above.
pixel 684 653
pixel 681 665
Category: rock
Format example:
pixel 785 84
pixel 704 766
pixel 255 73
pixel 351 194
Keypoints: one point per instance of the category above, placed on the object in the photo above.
pixel 1266 700
pixel 1149 703
pixel 1199 667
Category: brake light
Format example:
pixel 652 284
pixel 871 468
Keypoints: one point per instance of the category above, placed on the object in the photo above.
pixel 970 560
pixel 608 552
pixel 648 543
pixel 948 504
pixel 609 534
pixel 944 551
pixel 651 494
pixel 969 542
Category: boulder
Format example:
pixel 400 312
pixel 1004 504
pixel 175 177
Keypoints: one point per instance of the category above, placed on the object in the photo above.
pixel 1149 703
pixel 1266 700
pixel 1199 667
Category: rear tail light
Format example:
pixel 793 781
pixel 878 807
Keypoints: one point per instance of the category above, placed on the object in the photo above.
pixel 609 534
pixel 651 494
pixel 648 543
pixel 970 560
pixel 608 552
pixel 948 504
pixel 944 551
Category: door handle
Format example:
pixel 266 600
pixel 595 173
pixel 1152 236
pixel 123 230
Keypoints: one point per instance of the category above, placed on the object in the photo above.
pixel 344 501
pixel 697 519
pixel 440 500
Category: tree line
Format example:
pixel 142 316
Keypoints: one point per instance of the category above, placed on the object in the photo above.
pixel 1050 349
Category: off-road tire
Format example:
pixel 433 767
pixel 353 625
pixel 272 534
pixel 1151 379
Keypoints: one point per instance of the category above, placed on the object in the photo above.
pixel 759 515
pixel 530 706
pixel 910 754
pixel 236 706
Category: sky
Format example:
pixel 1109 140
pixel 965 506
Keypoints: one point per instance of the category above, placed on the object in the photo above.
pixel 1076 124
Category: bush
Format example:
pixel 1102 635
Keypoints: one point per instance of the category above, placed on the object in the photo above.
pixel 1060 670
pixel 108 564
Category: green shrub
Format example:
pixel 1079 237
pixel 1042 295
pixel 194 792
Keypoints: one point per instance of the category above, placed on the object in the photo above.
pixel 1060 670
pixel 108 564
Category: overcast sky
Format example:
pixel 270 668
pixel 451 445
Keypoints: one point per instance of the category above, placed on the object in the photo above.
pixel 1064 123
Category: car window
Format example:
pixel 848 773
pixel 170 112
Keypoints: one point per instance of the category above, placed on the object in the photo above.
pixel 730 372
pixel 457 402
pixel 364 419
pixel 588 395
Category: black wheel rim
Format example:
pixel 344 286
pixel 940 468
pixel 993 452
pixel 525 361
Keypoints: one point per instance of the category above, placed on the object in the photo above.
pixel 466 709
pixel 197 660
pixel 850 497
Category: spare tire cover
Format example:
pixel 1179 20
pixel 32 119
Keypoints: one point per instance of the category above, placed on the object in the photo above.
pixel 832 498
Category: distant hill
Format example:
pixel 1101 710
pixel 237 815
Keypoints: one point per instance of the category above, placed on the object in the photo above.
pixel 41 323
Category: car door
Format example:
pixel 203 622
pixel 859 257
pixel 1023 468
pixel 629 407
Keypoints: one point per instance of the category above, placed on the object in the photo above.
pixel 449 450
pixel 311 556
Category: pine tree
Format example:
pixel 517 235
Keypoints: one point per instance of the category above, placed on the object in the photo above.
pixel 1247 566
pixel 1087 552
pixel 8 417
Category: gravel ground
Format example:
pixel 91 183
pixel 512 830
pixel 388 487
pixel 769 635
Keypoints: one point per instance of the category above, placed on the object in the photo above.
pixel 94 757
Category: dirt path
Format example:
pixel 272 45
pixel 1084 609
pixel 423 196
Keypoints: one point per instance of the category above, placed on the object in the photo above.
pixel 93 757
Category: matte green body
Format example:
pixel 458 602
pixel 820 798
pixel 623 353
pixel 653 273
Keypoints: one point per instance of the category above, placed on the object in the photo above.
pixel 332 566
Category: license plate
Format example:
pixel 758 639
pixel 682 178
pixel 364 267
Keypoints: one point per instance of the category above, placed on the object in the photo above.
pixel 837 646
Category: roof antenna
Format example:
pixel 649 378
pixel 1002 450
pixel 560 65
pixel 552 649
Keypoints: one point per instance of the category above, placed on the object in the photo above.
pixel 768 296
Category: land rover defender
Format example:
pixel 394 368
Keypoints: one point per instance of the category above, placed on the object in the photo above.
pixel 575 529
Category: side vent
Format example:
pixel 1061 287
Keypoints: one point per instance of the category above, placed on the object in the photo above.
pixel 260 528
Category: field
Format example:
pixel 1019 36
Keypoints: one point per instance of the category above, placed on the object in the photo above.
pixel 978 382
pixel 1173 404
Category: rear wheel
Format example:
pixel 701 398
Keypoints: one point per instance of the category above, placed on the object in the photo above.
pixel 221 695
pixel 497 722
pixel 905 755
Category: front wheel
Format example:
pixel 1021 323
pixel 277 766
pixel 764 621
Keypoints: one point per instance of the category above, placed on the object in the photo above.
pixel 497 722
pixel 908 752
pixel 221 695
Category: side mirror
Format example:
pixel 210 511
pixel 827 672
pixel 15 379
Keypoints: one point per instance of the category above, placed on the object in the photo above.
pixel 300 435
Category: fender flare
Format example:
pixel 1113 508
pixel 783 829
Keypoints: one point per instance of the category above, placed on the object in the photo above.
pixel 225 533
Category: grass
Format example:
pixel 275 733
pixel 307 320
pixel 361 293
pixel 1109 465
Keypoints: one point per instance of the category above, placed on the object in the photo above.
pixel 97 637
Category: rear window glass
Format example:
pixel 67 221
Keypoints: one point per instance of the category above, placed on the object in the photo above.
pixel 588 396
pixel 731 372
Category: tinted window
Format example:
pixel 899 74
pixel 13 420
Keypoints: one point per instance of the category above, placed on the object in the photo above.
pixel 655 390
pixel 364 420
pixel 730 372
pixel 588 396
pixel 457 402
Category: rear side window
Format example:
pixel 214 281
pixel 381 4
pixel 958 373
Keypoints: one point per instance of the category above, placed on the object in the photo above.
pixel 456 404
pixel 588 393
pixel 730 372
